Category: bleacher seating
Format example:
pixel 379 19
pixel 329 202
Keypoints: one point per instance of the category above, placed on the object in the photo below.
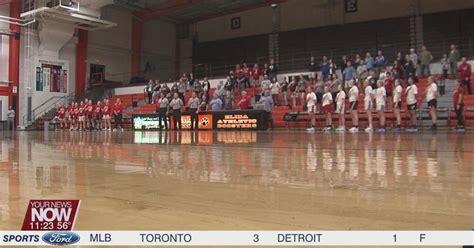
pixel 280 111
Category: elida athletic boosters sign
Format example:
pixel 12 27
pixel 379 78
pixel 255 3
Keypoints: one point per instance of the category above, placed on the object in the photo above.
pixel 218 120
pixel 255 120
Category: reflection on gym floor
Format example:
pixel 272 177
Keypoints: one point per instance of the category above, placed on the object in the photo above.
pixel 218 180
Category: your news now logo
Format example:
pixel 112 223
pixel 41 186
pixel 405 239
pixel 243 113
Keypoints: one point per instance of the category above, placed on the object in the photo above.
pixel 61 238
pixel 50 215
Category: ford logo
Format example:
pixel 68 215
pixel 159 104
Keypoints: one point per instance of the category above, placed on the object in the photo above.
pixel 61 238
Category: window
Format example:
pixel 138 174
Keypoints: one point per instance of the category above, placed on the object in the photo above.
pixel 350 6
pixel 4 54
pixel 235 23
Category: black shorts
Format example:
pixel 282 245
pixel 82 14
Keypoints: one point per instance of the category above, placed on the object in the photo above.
pixel 433 103
pixel 319 97
pixel 397 105
pixel 353 105
pixel 411 106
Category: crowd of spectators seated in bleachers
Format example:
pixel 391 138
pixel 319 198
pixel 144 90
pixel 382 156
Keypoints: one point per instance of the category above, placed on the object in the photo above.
pixel 327 75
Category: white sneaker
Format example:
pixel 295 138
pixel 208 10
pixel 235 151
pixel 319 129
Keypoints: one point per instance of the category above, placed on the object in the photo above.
pixel 109 129
pixel 341 129
pixel 369 129
pixel 354 130
pixel 327 129
pixel 311 129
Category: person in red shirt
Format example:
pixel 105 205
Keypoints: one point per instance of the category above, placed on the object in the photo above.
pixel 74 117
pixel 255 76
pixel 62 116
pixel 465 72
pixel 81 115
pixel 397 70
pixel 265 70
pixel 458 104
pixel 89 112
pixel 245 101
pixel 117 110
pixel 388 85
pixel 106 110
pixel 97 115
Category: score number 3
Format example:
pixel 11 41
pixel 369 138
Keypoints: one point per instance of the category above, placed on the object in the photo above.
pixel 256 238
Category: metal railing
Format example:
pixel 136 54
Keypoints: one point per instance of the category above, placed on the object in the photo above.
pixel 98 79
pixel 46 106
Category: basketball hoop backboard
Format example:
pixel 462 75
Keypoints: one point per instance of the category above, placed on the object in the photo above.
pixel 69 12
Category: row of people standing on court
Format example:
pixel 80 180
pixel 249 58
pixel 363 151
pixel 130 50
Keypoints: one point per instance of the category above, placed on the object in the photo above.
pixel 378 99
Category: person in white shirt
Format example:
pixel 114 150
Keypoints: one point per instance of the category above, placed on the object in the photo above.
pixel 397 104
pixel 353 105
pixel 266 84
pixel 411 92
pixel 275 88
pixel 368 104
pixel 380 99
pixel 327 106
pixel 414 57
pixel 163 110
pixel 431 95
pixel 176 105
pixel 311 105
pixel 193 104
pixel 11 118
pixel 341 107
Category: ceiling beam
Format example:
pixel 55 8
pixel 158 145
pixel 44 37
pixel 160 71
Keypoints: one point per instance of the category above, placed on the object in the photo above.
pixel 237 10
pixel 164 9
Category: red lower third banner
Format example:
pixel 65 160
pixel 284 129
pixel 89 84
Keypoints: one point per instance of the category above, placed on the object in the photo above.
pixel 50 215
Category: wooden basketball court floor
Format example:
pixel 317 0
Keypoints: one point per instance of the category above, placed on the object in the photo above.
pixel 282 180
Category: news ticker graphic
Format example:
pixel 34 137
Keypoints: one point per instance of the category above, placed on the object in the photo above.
pixel 50 215
pixel 235 238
